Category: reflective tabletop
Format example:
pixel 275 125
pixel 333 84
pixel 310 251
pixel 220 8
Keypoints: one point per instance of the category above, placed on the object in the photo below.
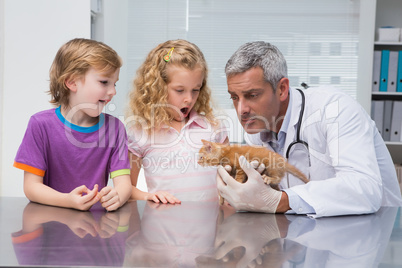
pixel 193 234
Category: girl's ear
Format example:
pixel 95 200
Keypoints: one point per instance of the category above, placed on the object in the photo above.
pixel 71 84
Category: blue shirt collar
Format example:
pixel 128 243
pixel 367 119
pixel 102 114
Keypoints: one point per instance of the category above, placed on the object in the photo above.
pixel 79 128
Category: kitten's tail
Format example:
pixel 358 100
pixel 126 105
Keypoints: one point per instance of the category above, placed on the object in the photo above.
pixel 296 172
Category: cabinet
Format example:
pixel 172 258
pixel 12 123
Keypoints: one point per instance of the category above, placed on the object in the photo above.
pixel 388 14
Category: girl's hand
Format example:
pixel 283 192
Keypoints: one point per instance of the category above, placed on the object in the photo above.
pixel 162 196
pixel 83 198
pixel 110 199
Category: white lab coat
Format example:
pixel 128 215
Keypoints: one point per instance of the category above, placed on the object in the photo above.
pixel 351 169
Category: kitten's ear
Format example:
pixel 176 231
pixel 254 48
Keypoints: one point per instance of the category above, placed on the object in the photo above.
pixel 205 142
pixel 208 143
pixel 207 146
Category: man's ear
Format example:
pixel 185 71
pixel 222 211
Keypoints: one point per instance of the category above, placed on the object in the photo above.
pixel 283 89
pixel 71 84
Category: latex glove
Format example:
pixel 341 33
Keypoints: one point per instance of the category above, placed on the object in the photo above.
pixel 259 167
pixel 253 195
pixel 234 232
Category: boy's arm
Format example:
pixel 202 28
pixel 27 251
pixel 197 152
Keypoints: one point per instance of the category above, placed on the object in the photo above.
pixel 38 192
pixel 123 186
pixel 35 215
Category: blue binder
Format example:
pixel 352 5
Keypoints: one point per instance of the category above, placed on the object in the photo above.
pixel 384 70
pixel 399 75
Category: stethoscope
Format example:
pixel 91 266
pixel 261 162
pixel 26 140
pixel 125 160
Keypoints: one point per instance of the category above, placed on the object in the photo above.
pixel 298 139
pixel 298 127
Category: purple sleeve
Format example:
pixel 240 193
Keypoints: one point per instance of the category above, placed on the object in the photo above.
pixel 31 155
pixel 119 159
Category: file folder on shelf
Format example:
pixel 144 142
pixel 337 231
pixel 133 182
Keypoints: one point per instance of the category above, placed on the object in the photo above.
pixel 386 132
pixel 392 71
pixel 396 121
pixel 377 114
pixel 384 70
pixel 399 76
pixel 376 70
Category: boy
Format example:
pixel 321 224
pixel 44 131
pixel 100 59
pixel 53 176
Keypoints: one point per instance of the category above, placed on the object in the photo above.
pixel 69 150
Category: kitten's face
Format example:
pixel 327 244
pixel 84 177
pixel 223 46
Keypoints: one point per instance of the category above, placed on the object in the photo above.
pixel 209 154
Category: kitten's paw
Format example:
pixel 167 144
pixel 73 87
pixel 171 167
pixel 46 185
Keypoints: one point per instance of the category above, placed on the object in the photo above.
pixel 267 180
pixel 221 200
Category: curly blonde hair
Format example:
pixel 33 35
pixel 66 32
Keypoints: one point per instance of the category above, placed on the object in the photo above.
pixel 73 60
pixel 150 84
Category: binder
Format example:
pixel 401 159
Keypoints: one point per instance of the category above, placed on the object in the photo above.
pixel 399 79
pixel 396 126
pixel 384 70
pixel 392 71
pixel 376 70
pixel 387 119
pixel 377 114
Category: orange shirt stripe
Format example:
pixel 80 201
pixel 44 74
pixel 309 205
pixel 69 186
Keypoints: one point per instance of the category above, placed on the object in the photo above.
pixel 30 169
pixel 27 237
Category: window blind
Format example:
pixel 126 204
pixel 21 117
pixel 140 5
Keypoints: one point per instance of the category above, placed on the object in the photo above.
pixel 319 38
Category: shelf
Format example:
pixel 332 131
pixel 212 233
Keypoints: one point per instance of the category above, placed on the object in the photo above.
pixel 379 95
pixel 394 149
pixel 387 93
pixel 385 43
pixel 391 143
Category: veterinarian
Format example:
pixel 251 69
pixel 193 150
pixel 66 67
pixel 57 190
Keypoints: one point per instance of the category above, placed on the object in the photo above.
pixel 322 131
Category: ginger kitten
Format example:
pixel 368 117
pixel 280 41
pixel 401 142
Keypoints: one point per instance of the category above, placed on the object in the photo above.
pixel 214 154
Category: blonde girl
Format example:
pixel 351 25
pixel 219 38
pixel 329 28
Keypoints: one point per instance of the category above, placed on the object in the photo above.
pixel 170 112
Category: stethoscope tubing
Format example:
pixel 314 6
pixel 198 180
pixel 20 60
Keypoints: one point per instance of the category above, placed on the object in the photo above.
pixel 298 126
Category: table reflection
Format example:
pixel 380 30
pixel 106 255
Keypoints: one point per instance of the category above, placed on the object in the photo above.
pixel 173 235
pixel 197 234
pixel 65 237
pixel 261 240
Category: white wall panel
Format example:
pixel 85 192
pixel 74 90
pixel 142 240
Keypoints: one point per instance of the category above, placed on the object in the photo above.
pixel 32 33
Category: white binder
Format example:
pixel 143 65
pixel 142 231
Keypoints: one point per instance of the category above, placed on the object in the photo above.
pixel 377 114
pixel 392 71
pixel 376 70
pixel 396 125
pixel 386 132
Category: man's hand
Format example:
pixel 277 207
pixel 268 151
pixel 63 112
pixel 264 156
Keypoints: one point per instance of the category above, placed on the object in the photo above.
pixel 253 195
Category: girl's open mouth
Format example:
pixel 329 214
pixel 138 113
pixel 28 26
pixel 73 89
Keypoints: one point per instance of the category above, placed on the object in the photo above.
pixel 184 110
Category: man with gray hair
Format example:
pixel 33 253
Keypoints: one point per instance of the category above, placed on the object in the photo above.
pixel 322 131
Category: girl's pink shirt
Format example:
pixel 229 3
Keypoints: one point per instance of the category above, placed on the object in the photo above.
pixel 169 158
